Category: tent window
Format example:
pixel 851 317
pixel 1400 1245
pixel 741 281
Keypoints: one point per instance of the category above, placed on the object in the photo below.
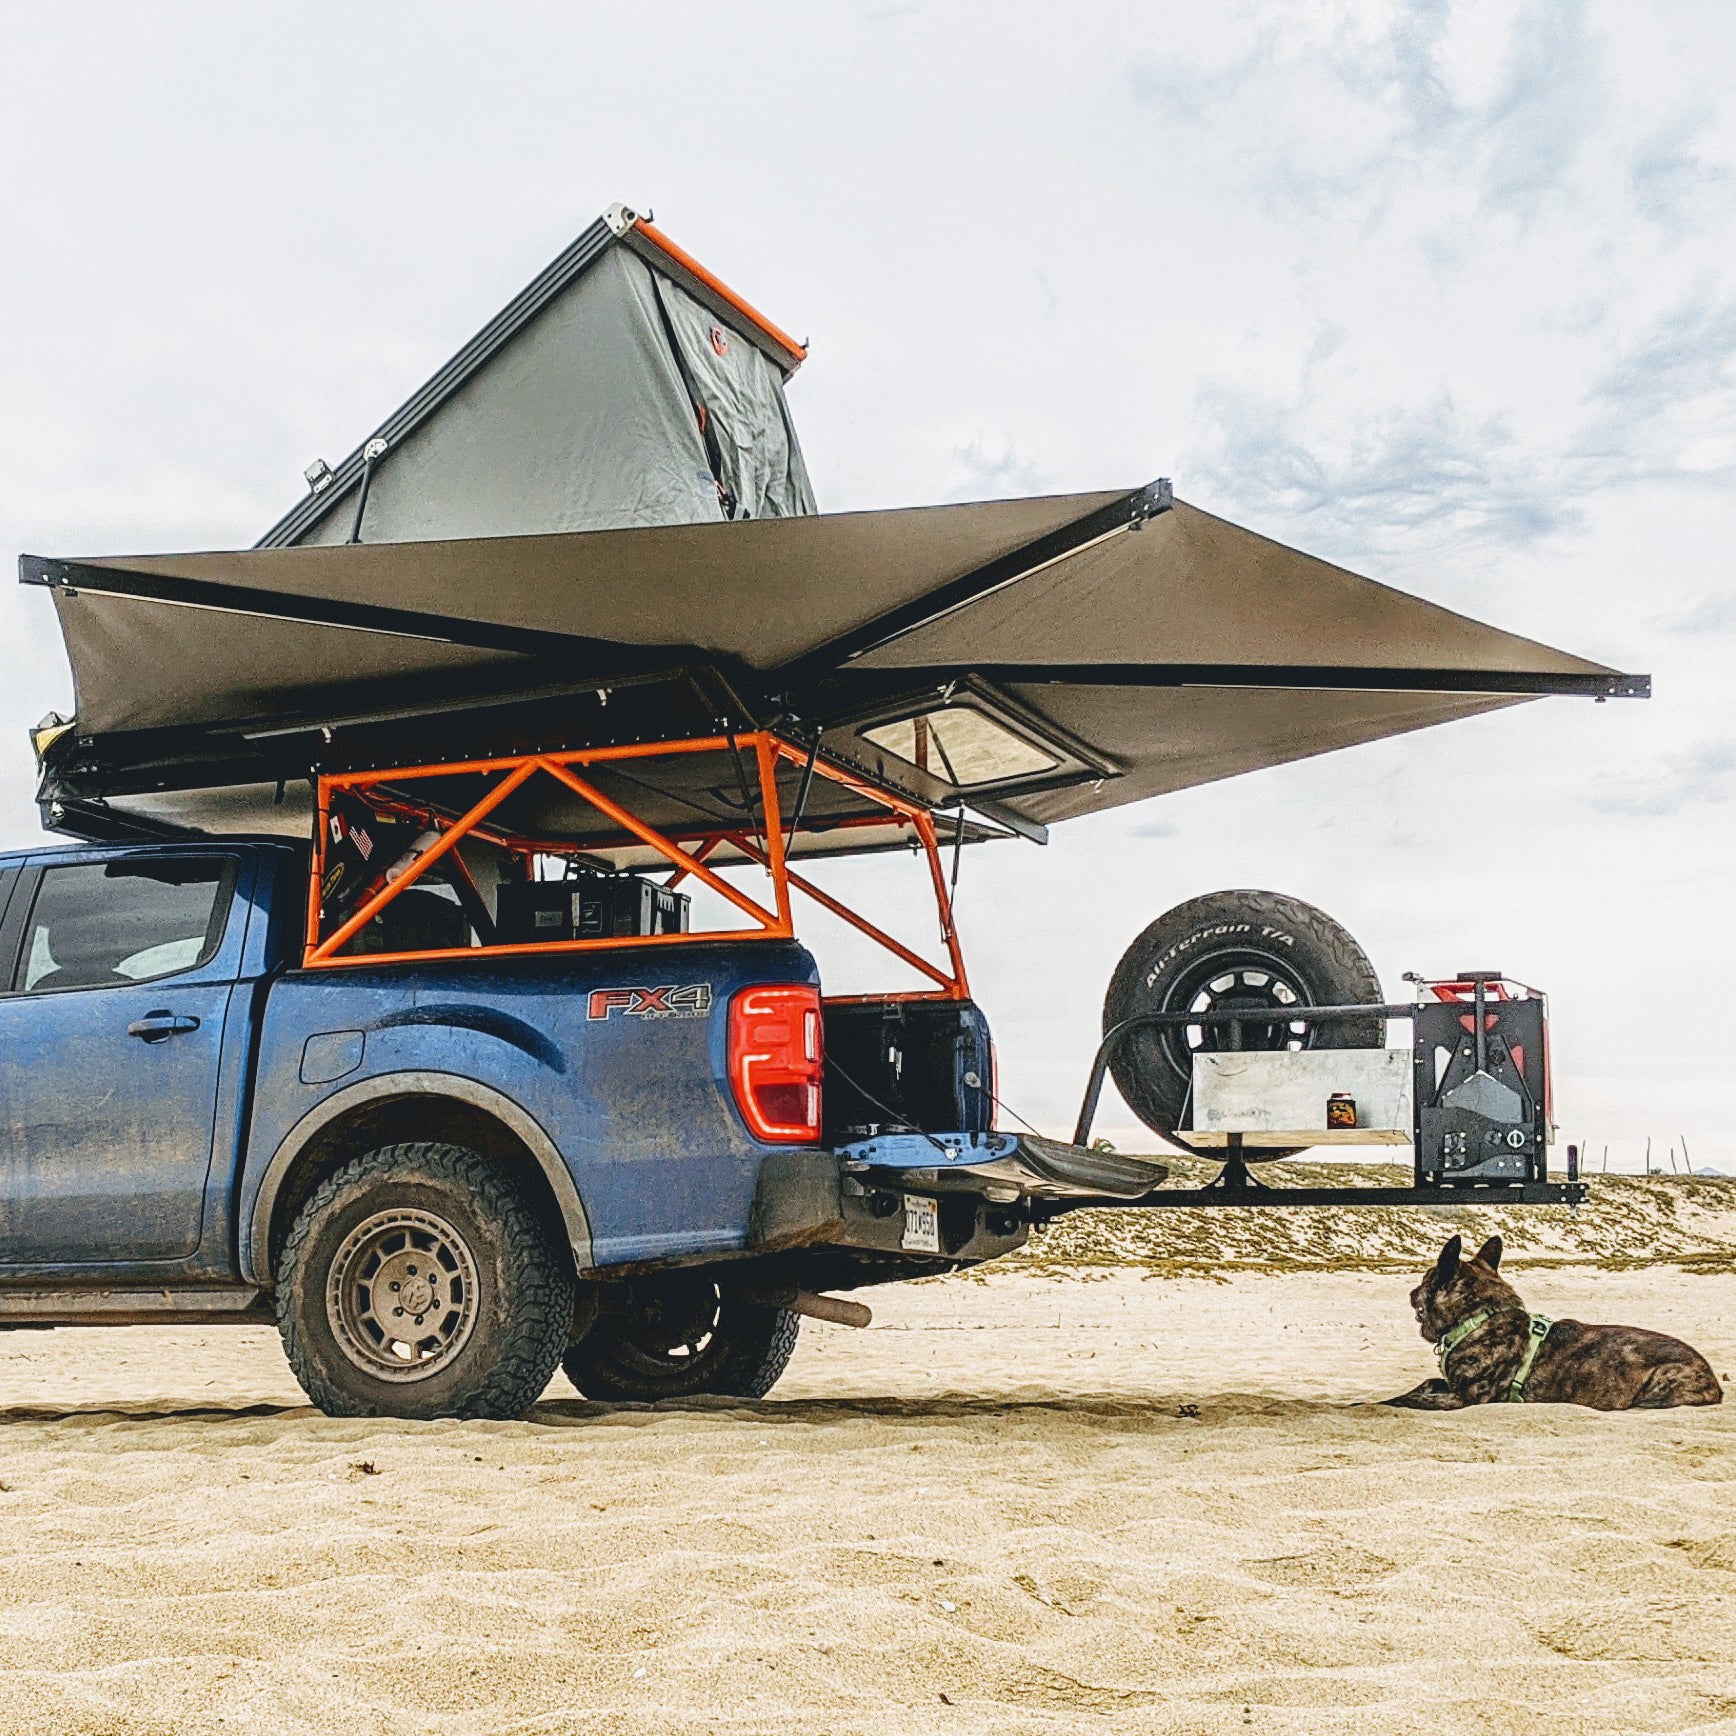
pixel 962 747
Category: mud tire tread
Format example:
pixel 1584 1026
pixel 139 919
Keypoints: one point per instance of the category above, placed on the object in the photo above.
pixel 536 1280
pixel 764 1341
pixel 1343 975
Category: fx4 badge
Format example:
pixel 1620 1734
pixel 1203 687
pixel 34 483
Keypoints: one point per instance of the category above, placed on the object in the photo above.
pixel 689 1001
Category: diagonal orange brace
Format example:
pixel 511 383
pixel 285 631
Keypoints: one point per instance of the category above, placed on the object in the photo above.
pixel 706 849
pixel 665 847
pixel 914 959
pixel 422 864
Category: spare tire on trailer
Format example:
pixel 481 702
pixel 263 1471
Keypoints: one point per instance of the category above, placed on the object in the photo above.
pixel 1255 949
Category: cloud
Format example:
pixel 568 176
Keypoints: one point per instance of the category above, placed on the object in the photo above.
pixel 1667 176
pixel 990 466
pixel 1188 95
pixel 1311 116
pixel 1251 120
pixel 1711 613
pixel 1551 97
pixel 1664 406
pixel 1415 41
pixel 1406 470
pixel 1686 354
pixel 1704 772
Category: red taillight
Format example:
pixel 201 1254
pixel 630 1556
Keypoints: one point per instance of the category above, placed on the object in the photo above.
pixel 776 1056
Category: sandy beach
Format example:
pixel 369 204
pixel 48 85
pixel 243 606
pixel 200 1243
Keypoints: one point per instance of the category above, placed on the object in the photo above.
pixel 1050 1499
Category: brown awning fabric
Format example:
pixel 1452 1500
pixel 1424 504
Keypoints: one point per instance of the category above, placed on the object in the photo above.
pixel 1193 589
pixel 1160 646
pixel 597 603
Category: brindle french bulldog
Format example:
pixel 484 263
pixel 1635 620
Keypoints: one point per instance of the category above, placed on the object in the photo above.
pixel 1492 1350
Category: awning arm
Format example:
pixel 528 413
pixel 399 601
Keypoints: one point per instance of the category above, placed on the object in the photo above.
pixel 1599 685
pixel 999 814
pixel 1128 513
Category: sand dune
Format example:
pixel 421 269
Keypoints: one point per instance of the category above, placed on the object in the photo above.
pixel 1028 1502
pixel 1628 1220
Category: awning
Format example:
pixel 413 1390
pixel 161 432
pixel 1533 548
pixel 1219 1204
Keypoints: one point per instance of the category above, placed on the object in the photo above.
pixel 1036 658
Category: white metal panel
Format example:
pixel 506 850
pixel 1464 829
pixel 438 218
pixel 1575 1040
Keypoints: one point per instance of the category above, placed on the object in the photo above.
pixel 1278 1097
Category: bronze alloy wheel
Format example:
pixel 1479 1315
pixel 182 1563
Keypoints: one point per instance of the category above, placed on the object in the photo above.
pixel 423 1280
pixel 401 1294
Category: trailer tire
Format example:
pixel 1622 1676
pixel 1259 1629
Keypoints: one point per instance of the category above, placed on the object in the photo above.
pixel 485 1288
pixel 1271 947
pixel 680 1335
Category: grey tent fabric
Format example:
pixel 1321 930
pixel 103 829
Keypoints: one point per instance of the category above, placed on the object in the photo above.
pixel 743 394
pixel 583 421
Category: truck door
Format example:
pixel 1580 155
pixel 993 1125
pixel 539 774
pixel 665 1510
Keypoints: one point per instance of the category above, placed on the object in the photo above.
pixel 111 1034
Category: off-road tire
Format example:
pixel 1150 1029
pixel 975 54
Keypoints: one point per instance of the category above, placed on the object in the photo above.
pixel 1186 948
pixel 623 1358
pixel 519 1287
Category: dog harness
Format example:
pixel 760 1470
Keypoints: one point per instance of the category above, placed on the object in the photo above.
pixel 1536 1330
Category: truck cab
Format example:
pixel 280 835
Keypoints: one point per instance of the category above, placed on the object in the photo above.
pixel 126 1015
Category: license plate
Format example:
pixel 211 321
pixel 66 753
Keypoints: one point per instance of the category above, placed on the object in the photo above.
pixel 921 1224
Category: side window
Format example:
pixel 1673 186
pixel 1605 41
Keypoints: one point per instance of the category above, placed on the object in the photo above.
pixel 100 923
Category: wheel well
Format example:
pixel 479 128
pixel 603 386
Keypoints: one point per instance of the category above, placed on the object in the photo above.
pixel 398 1121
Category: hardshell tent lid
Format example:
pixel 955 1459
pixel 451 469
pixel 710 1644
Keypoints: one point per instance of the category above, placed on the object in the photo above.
pixel 625 385
pixel 1032 659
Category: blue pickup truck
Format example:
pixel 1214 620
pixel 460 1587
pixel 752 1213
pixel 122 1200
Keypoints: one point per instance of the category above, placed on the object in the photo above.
pixel 446 1176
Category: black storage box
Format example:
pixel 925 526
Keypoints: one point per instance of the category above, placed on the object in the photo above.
pixel 591 907
pixel 1482 1095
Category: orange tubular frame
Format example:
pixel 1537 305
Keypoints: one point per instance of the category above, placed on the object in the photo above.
pixel 768 924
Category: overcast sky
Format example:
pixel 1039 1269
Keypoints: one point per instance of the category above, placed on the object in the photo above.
pixel 1443 292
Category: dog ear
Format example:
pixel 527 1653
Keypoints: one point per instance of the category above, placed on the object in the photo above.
pixel 1490 1253
pixel 1448 1263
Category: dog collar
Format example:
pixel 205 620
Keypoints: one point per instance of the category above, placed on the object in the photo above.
pixel 1450 1341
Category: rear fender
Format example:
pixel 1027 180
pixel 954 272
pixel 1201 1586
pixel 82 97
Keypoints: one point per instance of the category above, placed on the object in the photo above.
pixel 429 1086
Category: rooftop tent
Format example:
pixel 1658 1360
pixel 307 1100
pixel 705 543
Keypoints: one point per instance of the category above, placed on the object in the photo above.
pixel 624 386
pixel 1034 659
